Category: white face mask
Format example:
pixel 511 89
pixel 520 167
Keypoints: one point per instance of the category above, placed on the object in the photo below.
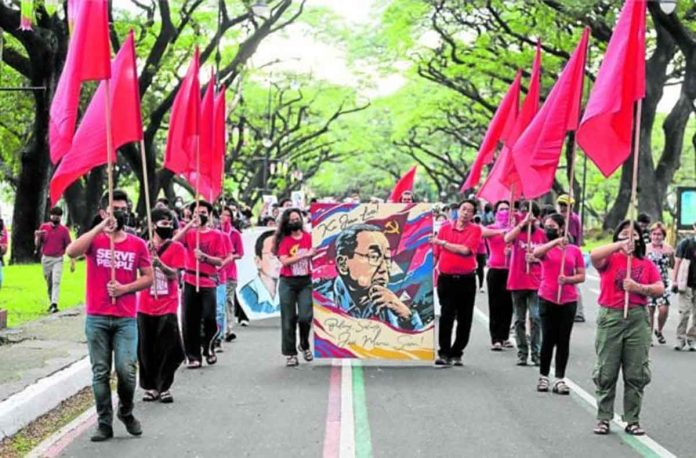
pixel 436 226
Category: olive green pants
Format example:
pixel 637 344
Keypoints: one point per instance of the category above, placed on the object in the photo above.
pixel 621 344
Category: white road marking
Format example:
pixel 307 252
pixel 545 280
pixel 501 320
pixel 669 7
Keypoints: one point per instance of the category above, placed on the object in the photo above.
pixel 347 447
pixel 646 441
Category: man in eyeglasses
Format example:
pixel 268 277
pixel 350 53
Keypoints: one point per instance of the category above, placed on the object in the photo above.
pixel 363 262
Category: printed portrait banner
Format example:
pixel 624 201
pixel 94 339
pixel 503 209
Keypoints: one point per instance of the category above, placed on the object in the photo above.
pixel 373 281
pixel 258 273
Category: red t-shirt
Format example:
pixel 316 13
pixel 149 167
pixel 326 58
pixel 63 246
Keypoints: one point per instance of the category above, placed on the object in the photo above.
pixel 167 299
pixel 212 244
pixel 54 240
pixel 131 255
pixel 453 263
pixel 551 269
pixel 238 249
pixel 3 237
pixel 519 279
pixel 222 273
pixel 496 252
pixel 291 247
pixel 612 275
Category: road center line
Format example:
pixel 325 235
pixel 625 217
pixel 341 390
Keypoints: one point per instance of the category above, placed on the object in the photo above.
pixel 332 435
pixel 645 445
pixel 347 442
pixel 363 440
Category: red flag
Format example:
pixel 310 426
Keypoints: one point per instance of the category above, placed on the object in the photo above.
pixel 508 174
pixel 205 147
pixel 183 121
pixel 495 188
pixel 606 127
pixel 537 152
pixel 499 128
pixel 89 145
pixel 404 184
pixel 219 143
pixel 88 58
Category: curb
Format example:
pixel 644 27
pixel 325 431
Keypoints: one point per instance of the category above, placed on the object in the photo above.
pixel 22 408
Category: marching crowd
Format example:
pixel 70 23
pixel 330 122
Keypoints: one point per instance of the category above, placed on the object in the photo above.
pixel 170 300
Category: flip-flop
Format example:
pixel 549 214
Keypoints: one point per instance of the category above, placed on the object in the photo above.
pixel 150 396
pixel 166 397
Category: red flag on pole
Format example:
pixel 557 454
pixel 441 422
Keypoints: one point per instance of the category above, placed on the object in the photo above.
pixel 494 188
pixel 219 143
pixel 205 143
pixel 606 127
pixel 183 122
pixel 88 58
pixel 537 152
pixel 404 184
pixel 499 128
pixel 89 145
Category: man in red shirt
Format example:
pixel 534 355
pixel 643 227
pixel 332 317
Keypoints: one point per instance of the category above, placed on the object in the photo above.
pixel 110 326
pixel 455 250
pixel 230 267
pixel 52 239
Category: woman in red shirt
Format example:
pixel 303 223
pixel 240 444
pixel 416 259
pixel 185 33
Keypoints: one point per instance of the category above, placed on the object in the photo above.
pixel 293 246
pixel 623 343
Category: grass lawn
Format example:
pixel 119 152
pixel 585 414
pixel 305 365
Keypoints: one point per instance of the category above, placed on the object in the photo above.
pixel 24 295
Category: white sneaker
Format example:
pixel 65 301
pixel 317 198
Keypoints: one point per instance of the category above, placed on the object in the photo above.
pixel 691 344
pixel 244 323
pixel 681 345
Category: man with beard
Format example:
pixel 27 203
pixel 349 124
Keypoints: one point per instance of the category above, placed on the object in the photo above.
pixel 363 263
pixel 52 239
pixel 110 326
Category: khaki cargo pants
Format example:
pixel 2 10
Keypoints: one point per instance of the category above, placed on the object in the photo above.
pixel 621 344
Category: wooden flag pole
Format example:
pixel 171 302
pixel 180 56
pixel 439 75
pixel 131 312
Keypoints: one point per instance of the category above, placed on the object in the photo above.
pixel 110 178
pixel 148 208
pixel 511 215
pixel 198 204
pixel 634 192
pixel 529 235
pixel 571 181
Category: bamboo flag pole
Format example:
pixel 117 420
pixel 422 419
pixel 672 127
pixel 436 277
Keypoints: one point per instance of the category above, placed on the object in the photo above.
pixel 148 208
pixel 529 234
pixel 634 191
pixel 110 178
pixel 511 215
pixel 198 204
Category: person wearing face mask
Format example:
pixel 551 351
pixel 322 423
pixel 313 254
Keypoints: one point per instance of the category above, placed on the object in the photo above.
pixel 199 302
pixel 499 297
pixel 623 343
pixel 160 351
pixel 111 326
pixel 293 246
pixel 662 255
pixel 557 315
pixel 230 268
pixel 52 239
pixel 523 282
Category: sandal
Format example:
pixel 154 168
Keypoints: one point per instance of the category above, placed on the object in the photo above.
pixel 166 397
pixel 602 428
pixel 194 364
pixel 306 354
pixel 292 361
pixel 150 396
pixel 211 359
pixel 560 387
pixel 660 337
pixel 634 429
pixel 543 384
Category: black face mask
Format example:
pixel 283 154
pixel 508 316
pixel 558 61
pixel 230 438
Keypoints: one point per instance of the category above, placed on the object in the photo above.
pixel 295 226
pixel 164 232
pixel 551 234
pixel 121 218
pixel 203 219
pixel 55 221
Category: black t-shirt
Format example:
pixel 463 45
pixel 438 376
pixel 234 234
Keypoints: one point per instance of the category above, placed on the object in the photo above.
pixel 686 249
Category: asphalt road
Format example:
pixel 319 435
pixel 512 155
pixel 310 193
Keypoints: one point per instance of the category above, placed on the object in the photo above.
pixel 251 405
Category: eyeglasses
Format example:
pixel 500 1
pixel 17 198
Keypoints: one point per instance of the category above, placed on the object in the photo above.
pixel 375 258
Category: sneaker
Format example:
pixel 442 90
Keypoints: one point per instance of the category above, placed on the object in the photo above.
pixel 691 344
pixel 292 361
pixel 217 346
pixel 230 337
pixel 521 360
pixel 508 344
pixel 443 362
pixel 535 361
pixel 660 337
pixel 497 347
pixel 244 323
pixel 102 433
pixel 681 345
pixel 132 424
pixel 53 308
pixel 457 361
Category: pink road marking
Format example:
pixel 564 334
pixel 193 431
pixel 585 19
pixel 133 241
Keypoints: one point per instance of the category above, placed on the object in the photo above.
pixel 332 437
pixel 61 444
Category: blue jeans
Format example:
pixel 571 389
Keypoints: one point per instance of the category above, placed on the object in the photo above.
pixel 117 336
pixel 221 310
pixel 522 301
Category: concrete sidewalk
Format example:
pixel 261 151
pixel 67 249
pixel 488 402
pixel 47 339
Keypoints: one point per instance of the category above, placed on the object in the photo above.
pixel 43 362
